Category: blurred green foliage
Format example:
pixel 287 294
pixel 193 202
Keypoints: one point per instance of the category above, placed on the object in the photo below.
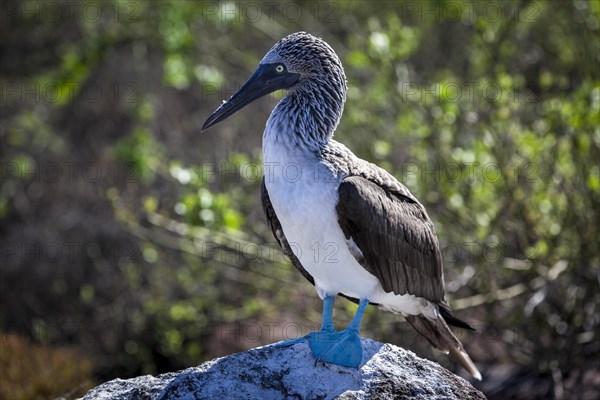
pixel 489 113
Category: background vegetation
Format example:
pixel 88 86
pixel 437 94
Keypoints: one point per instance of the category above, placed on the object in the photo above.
pixel 133 244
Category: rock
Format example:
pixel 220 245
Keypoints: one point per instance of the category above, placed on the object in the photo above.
pixel 387 372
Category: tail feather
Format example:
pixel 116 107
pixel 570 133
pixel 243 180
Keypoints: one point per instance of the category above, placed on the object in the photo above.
pixel 450 319
pixel 441 337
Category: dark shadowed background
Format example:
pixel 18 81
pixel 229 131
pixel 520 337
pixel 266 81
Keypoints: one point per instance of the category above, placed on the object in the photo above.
pixel 131 243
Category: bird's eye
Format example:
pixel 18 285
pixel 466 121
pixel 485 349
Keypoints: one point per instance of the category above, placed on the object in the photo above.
pixel 279 68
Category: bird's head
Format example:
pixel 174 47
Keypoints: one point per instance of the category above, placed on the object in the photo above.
pixel 298 62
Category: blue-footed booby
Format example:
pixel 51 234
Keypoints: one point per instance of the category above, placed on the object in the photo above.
pixel 347 225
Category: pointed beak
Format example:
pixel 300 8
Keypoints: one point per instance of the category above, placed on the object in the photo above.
pixel 265 80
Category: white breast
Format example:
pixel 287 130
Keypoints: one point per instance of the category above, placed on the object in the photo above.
pixel 304 195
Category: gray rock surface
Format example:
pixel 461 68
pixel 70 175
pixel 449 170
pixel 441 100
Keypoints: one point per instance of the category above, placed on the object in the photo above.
pixel 387 372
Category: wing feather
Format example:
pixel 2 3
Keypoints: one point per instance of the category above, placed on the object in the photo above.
pixel 395 235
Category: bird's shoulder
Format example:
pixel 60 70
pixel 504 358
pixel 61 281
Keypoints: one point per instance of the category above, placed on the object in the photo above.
pixel 350 165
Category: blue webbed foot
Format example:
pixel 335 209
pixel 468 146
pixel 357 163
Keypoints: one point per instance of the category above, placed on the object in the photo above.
pixel 327 329
pixel 312 336
pixel 290 342
pixel 340 348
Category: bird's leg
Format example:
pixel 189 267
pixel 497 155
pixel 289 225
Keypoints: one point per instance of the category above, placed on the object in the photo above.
pixel 341 348
pixel 327 325
pixel 326 328
pixel 356 321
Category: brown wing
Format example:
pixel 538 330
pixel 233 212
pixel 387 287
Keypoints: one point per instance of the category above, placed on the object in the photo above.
pixel 395 235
